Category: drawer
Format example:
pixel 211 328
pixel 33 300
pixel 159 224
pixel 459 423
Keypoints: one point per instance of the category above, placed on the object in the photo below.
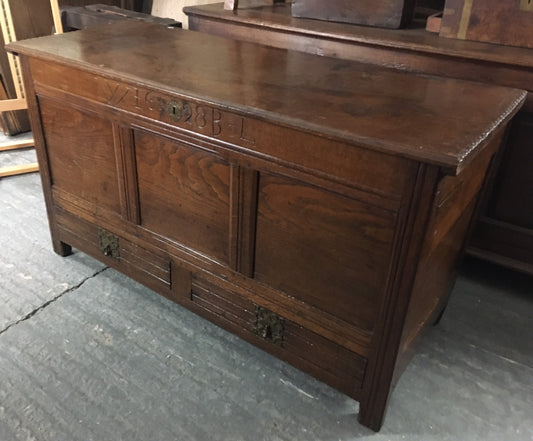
pixel 151 268
pixel 322 358
pixel 306 350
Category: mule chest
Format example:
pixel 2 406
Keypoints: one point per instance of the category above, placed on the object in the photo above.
pixel 316 207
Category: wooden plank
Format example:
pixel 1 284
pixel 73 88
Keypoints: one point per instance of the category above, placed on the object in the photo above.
pixel 13 104
pixel 19 169
pixel 231 5
pixel 58 25
pixel 20 145
pixel 11 122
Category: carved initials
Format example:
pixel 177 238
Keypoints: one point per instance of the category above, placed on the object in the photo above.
pixel 116 94
pixel 243 136
pixel 199 117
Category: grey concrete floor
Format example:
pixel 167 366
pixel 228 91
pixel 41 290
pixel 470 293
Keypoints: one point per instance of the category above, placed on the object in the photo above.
pixel 87 354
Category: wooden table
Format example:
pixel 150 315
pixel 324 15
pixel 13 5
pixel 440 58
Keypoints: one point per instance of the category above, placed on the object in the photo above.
pixel 314 206
pixel 504 231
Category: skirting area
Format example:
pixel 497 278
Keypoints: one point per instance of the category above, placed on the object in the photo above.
pixel 87 354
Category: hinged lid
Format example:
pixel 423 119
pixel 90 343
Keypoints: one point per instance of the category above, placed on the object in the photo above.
pixel 434 120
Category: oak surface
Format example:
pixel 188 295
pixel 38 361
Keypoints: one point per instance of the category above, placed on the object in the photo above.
pixel 318 217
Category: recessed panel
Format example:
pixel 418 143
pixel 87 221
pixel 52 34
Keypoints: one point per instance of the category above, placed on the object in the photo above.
pixel 81 154
pixel 184 194
pixel 323 248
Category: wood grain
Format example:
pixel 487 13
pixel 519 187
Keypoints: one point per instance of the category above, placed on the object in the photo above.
pixel 297 212
pixel 184 194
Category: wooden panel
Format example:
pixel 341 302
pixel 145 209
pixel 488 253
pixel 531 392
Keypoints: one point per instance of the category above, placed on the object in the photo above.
pixel 432 286
pixel 243 219
pixel 383 13
pixel 495 21
pixel 80 149
pixel 316 355
pixel 184 194
pixel 323 248
pixel 455 193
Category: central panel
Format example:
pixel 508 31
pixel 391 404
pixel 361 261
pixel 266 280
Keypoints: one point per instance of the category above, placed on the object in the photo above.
pixel 184 194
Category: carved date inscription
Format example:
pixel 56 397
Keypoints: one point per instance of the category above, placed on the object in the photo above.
pixel 187 114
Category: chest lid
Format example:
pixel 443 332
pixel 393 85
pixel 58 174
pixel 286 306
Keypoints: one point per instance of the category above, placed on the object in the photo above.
pixel 434 120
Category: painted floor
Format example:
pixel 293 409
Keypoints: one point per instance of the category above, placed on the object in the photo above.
pixel 87 354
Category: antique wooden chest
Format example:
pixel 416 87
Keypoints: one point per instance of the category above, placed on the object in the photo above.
pixel 314 206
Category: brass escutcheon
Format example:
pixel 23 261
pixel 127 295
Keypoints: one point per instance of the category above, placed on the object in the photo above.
pixel 175 110
pixel 108 243
pixel 268 325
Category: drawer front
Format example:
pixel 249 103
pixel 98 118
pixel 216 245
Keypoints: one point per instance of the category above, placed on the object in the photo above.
pixel 150 267
pixel 316 355
pixel 324 359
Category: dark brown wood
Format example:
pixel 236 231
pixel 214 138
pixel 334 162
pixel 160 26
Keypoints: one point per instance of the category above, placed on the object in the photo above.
pixel 495 21
pixel 128 4
pixel 303 205
pixel 416 50
pixel 78 17
pixel 383 13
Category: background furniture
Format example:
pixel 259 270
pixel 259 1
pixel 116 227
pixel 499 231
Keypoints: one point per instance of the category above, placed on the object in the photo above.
pixel 82 17
pixel 504 232
pixel 10 23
